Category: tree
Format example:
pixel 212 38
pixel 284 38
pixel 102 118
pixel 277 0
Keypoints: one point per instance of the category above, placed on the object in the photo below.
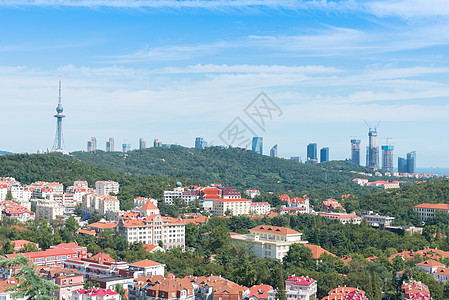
pixel 30 284
pixel 119 289
pixel 7 247
pixel 299 256
pixel 9 196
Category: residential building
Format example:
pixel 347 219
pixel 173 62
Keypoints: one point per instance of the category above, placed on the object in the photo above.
pixel 216 287
pixel 180 193
pixel 150 229
pixel 110 145
pixel 148 267
pixel 343 217
pixel 7 289
pixel 235 207
pixel 68 280
pixel 55 255
pixel 260 208
pixel 402 165
pixel 331 205
pixel 140 201
pixel 257 145
pixel 312 153
pixel 259 292
pixel 152 248
pixel 387 158
pixel 269 241
pixel 94 293
pixel 317 251
pixel 252 193
pixel 384 184
pixel 3 191
pixel 92 145
pixel 19 244
pixel 200 143
pixel 430 265
pixel 415 290
pixel 20 193
pixel 48 210
pixel 347 293
pixel 441 274
pixel 298 287
pixel 355 151
pixel 100 204
pixel 300 205
pixel 126 148
pixel 100 266
pixel 324 154
pixel 427 210
pixel 153 287
pixel 10 209
pixel 43 189
pixel 142 144
pixel 274 151
pixel 377 220
pixel 107 187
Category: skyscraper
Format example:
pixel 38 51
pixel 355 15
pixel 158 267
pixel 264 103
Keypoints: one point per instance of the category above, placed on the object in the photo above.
pixel 411 162
pixel 372 151
pixel 110 145
pixel 312 153
pixel 402 165
pixel 355 151
pixel 274 151
pixel 92 145
pixel 126 147
pixel 157 143
pixel 200 142
pixel 58 143
pixel 387 158
pixel 258 144
pixel 142 144
pixel 324 154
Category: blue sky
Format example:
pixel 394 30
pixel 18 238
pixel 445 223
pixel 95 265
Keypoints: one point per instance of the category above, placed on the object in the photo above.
pixel 175 70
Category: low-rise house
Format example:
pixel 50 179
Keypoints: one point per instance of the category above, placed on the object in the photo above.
pixel 331 205
pixel 269 241
pixel 68 280
pixel 259 292
pixel 346 293
pixel 260 208
pixel 428 210
pixel 441 274
pixel 148 267
pixel 317 251
pixel 252 193
pixel 298 287
pixel 94 293
pixel 377 220
pixel 152 248
pixel 429 266
pixel 152 287
pixel 415 290
pixel 12 210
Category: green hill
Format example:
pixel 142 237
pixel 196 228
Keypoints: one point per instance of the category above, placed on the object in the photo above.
pixel 30 168
pixel 235 167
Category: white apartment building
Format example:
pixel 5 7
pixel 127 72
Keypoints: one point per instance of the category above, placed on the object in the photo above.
pixel 377 220
pixel 100 203
pixel 252 193
pixel 179 193
pixel 42 189
pixel 236 207
pixel 260 208
pixel 269 241
pixel 48 210
pixel 152 229
pixel 441 274
pixel 140 201
pixel 298 287
pixel 107 187
pixel 3 191
pixel 67 200
pixel 10 209
pixel 21 193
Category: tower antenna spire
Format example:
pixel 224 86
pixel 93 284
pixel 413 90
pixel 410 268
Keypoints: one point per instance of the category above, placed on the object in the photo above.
pixel 59 97
pixel 58 145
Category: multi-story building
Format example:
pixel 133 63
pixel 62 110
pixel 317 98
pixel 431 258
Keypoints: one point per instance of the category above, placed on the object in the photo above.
pixel 95 293
pixel 20 193
pixel 151 228
pixel 312 153
pixel 372 151
pixel 274 151
pixel 142 144
pixel 260 208
pixel 407 165
pixel 259 292
pixel 343 217
pixel 107 187
pixel 10 209
pixel 415 290
pixel 140 201
pixel 3 191
pixel 68 280
pixel 252 193
pixel 257 145
pixel 441 274
pixel 331 205
pixel 269 241
pixel 180 193
pixel 48 210
pixel 158 287
pixel 377 220
pixel 92 145
pixel 101 204
pixel 55 255
pixel 42 189
pixel 428 210
pixel 157 143
pixel 126 148
pixel 234 207
pixel 402 165
pixel 345 292
pixel 355 151
pixel 200 143
pixel 324 154
pixel 387 158
pixel 298 287
pixel 110 145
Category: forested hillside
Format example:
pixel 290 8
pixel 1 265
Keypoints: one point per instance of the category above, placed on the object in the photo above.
pixel 30 168
pixel 235 167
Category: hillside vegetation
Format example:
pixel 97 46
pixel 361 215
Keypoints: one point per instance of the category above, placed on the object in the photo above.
pixel 235 167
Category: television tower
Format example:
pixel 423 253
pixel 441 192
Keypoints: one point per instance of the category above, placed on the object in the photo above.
pixel 58 144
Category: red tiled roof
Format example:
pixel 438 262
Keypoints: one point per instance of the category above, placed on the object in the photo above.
pixel 98 292
pixel 429 263
pixel 433 206
pixel 317 251
pixel 103 225
pixel 301 280
pixel 145 263
pixel 149 206
pixel 260 291
pixel 274 229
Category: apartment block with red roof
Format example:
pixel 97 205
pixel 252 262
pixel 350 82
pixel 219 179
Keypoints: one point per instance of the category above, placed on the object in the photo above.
pixel 331 205
pixel 104 205
pixel 10 209
pixel 158 287
pixel 269 241
pixel 430 265
pixel 259 292
pixel 236 207
pixel 427 210
pixel 94 293
pixel 252 193
pixel 42 189
pixel 347 293
pixel 3 191
pixel 298 287
pixel 68 280
pixel 107 187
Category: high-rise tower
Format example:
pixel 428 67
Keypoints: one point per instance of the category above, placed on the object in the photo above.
pixel 387 158
pixel 372 151
pixel 355 151
pixel 58 145
pixel 257 145
pixel 274 151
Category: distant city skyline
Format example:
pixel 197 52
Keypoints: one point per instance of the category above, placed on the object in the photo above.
pixel 175 71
